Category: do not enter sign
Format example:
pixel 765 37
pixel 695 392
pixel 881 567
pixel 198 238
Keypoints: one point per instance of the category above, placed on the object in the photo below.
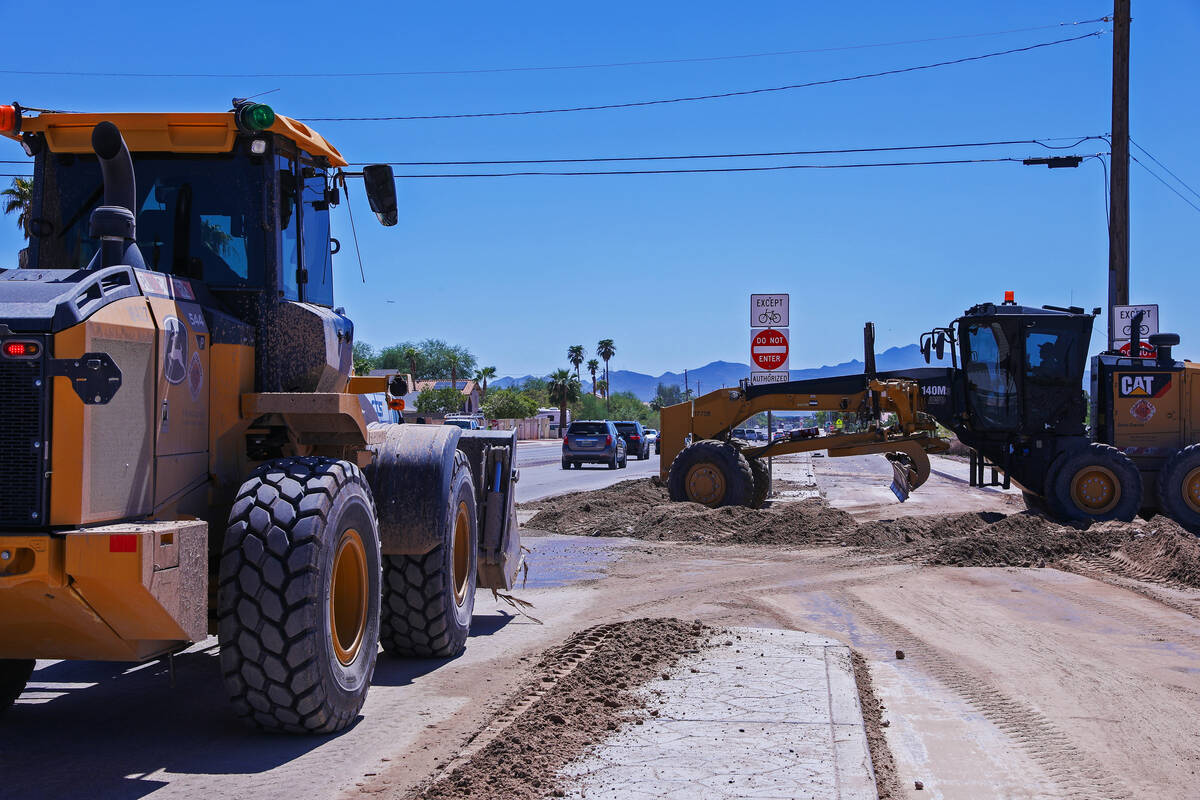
pixel 769 349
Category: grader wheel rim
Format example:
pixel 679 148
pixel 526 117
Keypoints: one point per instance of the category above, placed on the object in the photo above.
pixel 461 552
pixel 705 483
pixel 1095 489
pixel 348 598
pixel 1191 490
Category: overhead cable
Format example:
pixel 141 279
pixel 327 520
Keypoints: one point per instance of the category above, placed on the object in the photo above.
pixel 715 96
pixel 1165 168
pixel 491 70
pixel 1159 178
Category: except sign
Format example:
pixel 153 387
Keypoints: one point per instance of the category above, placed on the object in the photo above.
pixel 1123 322
pixel 769 349
pixel 769 310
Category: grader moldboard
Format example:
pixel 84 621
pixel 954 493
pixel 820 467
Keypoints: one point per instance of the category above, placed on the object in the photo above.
pixel 1013 395
pixel 184 449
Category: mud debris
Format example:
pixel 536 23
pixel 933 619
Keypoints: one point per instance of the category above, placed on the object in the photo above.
pixel 1157 548
pixel 593 691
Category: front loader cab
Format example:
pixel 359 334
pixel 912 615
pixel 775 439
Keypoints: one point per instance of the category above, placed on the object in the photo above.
pixel 1022 369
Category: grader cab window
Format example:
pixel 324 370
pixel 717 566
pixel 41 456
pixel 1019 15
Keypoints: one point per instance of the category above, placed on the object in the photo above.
pixel 197 217
pixel 989 365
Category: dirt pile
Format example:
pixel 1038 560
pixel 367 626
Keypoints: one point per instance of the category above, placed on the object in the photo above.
pixel 641 510
pixel 1024 540
pixel 1164 551
pixel 580 692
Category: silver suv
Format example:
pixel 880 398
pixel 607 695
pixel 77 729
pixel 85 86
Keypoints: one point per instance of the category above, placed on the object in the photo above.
pixel 590 441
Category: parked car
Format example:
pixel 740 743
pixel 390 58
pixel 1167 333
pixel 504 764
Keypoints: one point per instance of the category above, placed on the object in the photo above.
pixel 658 444
pixel 803 433
pixel 592 441
pixel 635 438
pixel 466 423
pixel 652 438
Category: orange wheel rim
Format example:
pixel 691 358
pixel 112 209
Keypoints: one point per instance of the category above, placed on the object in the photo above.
pixel 705 484
pixel 348 597
pixel 462 552
pixel 1191 490
pixel 1095 490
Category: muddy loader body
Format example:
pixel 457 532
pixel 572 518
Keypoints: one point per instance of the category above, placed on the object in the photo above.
pixel 186 450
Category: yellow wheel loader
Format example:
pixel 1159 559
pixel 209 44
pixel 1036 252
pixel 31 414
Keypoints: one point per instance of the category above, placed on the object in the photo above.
pixel 1013 395
pixel 185 451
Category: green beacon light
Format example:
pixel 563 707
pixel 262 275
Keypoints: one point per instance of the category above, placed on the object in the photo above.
pixel 255 117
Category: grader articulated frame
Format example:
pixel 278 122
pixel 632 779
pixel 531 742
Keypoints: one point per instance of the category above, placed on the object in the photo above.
pixel 701 462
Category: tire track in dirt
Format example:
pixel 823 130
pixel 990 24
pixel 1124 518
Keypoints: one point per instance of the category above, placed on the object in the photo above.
pixel 1077 774
pixel 1119 572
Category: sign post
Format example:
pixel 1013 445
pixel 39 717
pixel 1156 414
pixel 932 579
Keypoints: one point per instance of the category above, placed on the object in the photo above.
pixel 770 316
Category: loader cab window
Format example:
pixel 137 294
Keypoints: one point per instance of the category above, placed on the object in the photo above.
pixel 317 259
pixel 198 216
pixel 289 228
pixel 989 362
pixel 1055 354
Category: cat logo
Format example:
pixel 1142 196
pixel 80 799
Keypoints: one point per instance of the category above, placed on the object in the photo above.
pixel 1146 385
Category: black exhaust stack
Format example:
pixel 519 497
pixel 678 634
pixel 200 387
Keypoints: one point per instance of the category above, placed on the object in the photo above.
pixel 115 223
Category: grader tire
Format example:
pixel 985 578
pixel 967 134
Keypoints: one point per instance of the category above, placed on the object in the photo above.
pixel 428 599
pixel 713 473
pixel 14 674
pixel 762 482
pixel 1179 487
pixel 298 598
pixel 1097 483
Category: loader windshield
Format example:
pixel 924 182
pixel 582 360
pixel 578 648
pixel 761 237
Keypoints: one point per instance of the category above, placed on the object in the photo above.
pixel 197 217
pixel 989 363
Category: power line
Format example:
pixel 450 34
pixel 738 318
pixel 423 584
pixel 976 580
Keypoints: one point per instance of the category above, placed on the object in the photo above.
pixel 717 96
pixel 711 169
pixel 1159 178
pixel 492 70
pixel 1075 141
pixel 1165 168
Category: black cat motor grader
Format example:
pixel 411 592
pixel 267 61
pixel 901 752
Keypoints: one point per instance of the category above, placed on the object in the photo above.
pixel 1013 394
pixel 184 450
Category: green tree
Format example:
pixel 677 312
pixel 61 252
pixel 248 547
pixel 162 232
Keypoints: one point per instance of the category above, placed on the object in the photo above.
pixel 601 386
pixel 482 376
pixel 509 404
pixel 440 402
pixel 606 350
pixel 575 355
pixel 667 395
pixel 452 359
pixel 364 358
pixel 428 359
pixel 592 366
pixel 537 390
pixel 563 388
pixel 19 200
pixel 410 354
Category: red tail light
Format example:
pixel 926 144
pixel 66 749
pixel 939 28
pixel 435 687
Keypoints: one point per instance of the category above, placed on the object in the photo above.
pixel 608 440
pixel 20 349
pixel 564 439
pixel 634 436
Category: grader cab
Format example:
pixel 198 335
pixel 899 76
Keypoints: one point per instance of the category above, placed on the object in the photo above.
pixel 185 449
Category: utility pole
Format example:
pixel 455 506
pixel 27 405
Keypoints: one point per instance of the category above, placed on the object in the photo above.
pixel 685 383
pixel 1118 225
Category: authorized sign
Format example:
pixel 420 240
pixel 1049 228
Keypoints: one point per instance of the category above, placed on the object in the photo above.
pixel 759 378
pixel 769 310
pixel 769 350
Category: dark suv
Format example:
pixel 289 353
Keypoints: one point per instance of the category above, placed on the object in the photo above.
pixel 635 438
pixel 590 441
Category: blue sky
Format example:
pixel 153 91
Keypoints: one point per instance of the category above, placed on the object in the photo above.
pixel 517 269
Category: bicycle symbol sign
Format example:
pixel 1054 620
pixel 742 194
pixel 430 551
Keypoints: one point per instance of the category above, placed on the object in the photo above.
pixel 769 310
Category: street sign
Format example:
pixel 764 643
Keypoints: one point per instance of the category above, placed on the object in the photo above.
pixel 1122 317
pixel 769 350
pixel 759 378
pixel 769 310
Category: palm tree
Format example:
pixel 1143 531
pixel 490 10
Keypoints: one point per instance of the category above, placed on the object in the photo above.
pixel 482 376
pixel 19 199
pixel 563 388
pixel 575 355
pixel 410 355
pixel 602 387
pixel 452 360
pixel 592 366
pixel 606 350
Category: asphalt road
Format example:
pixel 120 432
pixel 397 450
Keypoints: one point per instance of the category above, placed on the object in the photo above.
pixel 542 474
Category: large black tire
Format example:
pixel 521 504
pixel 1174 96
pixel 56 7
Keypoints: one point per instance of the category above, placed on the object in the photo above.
pixel 713 473
pixel 428 600
pixel 1097 483
pixel 1179 487
pixel 14 674
pixel 762 482
pixel 298 598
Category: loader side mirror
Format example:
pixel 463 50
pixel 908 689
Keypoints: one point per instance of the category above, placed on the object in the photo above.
pixel 381 192
pixel 398 387
pixel 926 344
pixel 939 345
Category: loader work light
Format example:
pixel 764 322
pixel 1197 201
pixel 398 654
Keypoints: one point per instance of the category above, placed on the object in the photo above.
pixel 253 117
